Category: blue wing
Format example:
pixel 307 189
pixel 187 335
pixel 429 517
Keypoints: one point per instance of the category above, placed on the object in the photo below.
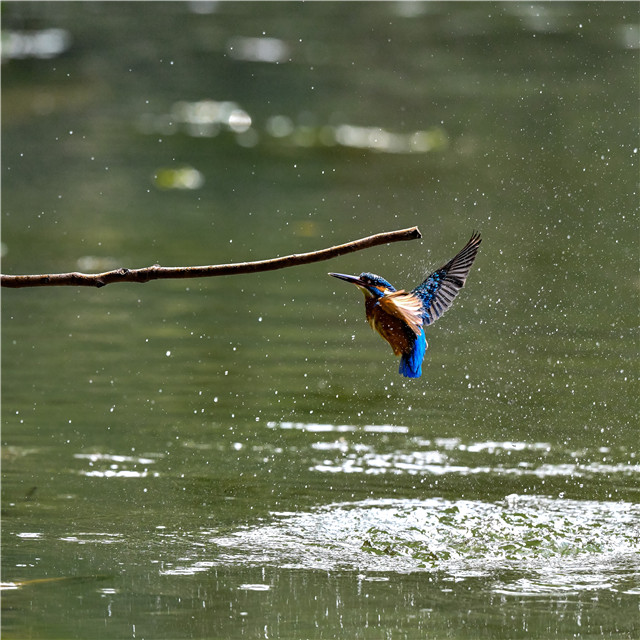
pixel 441 287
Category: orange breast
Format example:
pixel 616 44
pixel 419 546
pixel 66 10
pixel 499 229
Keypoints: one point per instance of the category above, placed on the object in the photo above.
pixel 394 330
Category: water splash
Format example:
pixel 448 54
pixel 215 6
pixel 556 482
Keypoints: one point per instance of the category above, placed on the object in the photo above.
pixel 545 545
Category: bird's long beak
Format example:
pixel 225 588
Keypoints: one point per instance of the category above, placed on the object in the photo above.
pixel 352 279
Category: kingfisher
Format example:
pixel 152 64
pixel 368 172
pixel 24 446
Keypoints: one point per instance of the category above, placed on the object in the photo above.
pixel 401 316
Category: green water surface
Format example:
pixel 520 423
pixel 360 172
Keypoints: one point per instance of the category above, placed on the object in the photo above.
pixel 237 457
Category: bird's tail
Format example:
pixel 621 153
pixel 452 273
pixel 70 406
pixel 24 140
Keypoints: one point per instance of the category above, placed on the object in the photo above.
pixel 411 363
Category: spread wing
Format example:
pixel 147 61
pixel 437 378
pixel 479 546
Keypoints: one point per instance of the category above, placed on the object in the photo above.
pixel 441 287
pixel 405 306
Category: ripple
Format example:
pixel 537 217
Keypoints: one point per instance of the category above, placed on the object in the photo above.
pixel 440 456
pixel 315 427
pixel 254 587
pixel 108 465
pixel 94 538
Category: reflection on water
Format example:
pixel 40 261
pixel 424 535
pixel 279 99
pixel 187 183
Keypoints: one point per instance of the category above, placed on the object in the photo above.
pixel 93 538
pixel 328 428
pixel 45 43
pixel 236 457
pixel 258 49
pixel 208 118
pixel 104 465
pixel 447 455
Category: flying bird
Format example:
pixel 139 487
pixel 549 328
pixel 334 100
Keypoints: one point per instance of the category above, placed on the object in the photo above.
pixel 400 317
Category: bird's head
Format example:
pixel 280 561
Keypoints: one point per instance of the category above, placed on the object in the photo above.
pixel 369 283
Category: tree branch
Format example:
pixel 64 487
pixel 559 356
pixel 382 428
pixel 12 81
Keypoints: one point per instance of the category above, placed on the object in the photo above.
pixel 156 272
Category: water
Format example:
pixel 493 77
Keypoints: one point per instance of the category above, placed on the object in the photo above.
pixel 237 457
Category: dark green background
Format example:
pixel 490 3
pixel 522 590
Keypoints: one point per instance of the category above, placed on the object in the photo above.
pixel 238 457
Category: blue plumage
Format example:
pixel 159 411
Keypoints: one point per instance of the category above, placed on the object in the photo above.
pixel 400 316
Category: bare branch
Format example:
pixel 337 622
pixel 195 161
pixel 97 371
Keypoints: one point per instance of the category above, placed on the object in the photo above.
pixel 156 272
